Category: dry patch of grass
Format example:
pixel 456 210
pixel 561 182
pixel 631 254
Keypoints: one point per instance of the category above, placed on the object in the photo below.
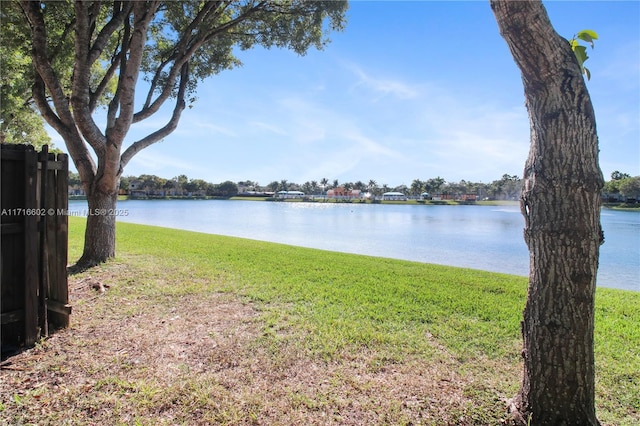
pixel 211 359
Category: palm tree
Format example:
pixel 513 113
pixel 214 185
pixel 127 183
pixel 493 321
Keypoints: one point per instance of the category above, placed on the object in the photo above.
pixel 417 187
pixel 323 183
pixel 372 186
pixel 433 185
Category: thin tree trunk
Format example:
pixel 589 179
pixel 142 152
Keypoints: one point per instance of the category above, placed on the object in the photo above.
pixel 561 205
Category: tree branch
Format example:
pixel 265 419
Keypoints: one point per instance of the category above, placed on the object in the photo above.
pixel 120 59
pixel 176 51
pixel 143 13
pixel 77 149
pixel 53 53
pixel 119 14
pixel 102 86
pixel 80 92
pixel 107 31
pixel 39 96
pixel 45 80
pixel 184 50
pixel 168 128
pixel 41 63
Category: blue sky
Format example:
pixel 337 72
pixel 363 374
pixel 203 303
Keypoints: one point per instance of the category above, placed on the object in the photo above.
pixel 410 90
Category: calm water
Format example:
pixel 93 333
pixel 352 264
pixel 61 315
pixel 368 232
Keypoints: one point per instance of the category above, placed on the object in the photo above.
pixel 479 237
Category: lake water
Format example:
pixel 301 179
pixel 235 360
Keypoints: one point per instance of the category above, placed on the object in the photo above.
pixel 480 237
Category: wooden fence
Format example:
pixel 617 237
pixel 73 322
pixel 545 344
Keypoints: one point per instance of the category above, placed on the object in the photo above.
pixel 34 290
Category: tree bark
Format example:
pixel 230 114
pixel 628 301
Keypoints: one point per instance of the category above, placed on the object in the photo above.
pixel 561 204
pixel 100 234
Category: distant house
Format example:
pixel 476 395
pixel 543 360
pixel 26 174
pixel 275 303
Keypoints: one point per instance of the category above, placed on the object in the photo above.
pixel 291 194
pixel 174 189
pixel 76 190
pixel 257 194
pixel 614 198
pixel 335 193
pixel 456 197
pixel 395 196
pixel 440 197
pixel 138 189
pixel 341 193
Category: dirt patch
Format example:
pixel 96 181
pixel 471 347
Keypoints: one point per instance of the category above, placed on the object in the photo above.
pixel 209 360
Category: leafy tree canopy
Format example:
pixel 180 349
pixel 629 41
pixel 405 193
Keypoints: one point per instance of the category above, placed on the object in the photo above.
pixel 619 176
pixel 135 58
pixel 20 123
pixel 630 187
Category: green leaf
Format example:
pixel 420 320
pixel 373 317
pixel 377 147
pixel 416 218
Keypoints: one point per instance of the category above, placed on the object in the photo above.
pixel 581 54
pixel 588 33
pixel 588 36
pixel 581 51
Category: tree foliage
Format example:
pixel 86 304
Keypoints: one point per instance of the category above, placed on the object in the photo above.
pixel 622 184
pixel 580 51
pixel 617 175
pixel 630 187
pixel 137 58
pixel 20 123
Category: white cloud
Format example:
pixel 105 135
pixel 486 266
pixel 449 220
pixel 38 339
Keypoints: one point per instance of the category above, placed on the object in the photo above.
pixel 150 161
pixel 370 148
pixel 383 86
pixel 268 127
pixel 431 133
pixel 481 142
pixel 204 125
pixel 623 66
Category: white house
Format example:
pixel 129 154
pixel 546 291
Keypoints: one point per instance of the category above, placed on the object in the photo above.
pixel 291 194
pixel 396 196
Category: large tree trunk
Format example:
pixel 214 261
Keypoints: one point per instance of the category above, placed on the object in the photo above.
pixel 100 234
pixel 561 205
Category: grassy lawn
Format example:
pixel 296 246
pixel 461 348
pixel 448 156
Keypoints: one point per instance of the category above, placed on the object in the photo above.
pixel 205 329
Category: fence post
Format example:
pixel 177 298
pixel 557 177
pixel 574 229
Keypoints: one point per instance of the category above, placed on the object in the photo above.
pixel 57 200
pixel 43 258
pixel 30 230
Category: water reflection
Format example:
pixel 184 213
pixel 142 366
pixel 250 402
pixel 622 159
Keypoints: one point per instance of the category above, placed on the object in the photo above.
pixel 480 237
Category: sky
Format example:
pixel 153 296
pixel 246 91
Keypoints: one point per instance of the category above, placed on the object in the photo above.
pixel 409 90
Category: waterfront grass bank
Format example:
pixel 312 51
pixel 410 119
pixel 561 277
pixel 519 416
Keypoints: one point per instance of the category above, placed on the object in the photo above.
pixel 194 328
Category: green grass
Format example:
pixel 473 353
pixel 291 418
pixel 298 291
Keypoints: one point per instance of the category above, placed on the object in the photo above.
pixel 330 303
pixel 341 299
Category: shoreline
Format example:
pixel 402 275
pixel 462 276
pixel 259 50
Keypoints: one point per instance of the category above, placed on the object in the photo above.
pixel 608 206
pixel 602 283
